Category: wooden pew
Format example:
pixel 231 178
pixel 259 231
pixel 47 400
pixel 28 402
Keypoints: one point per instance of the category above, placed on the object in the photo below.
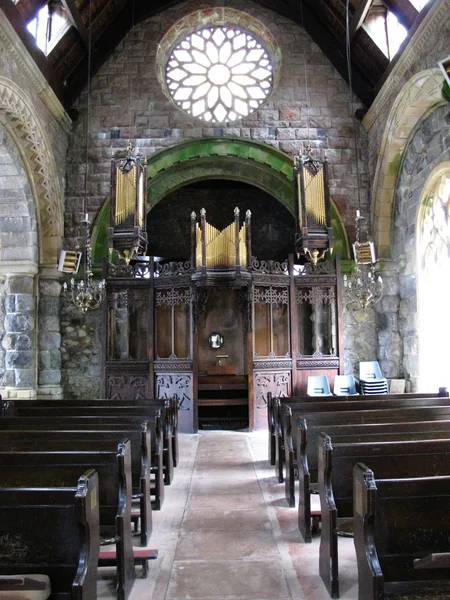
pixel 114 470
pixel 70 440
pixel 55 532
pixel 110 413
pixel 287 442
pixel 274 404
pixel 394 459
pixel 168 407
pixel 396 522
pixel 307 456
pixel 98 423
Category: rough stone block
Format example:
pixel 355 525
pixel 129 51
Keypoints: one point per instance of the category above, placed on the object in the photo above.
pixel 49 323
pixel 49 377
pixel 49 287
pixel 17 341
pixel 20 284
pixel 9 378
pixel 24 377
pixel 19 360
pixel 15 322
pixel 24 303
pixel 49 340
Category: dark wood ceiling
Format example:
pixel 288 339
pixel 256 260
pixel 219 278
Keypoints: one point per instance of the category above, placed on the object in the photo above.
pixel 110 20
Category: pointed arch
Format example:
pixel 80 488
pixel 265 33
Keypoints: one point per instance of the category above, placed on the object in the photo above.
pixel 230 158
pixel 19 117
pixel 421 94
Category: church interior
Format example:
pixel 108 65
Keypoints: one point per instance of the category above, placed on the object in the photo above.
pixel 224 233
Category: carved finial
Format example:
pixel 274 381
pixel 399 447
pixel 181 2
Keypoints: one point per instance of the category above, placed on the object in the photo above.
pixel 236 211
pixel 193 216
pixel 248 214
pixel 203 212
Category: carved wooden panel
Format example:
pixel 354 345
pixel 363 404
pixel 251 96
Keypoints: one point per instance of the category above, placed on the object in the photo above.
pixel 276 382
pixel 127 387
pixel 181 386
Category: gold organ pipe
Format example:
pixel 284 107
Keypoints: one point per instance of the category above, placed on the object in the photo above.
pixel 125 194
pixel 299 191
pixel 220 246
pixel 315 196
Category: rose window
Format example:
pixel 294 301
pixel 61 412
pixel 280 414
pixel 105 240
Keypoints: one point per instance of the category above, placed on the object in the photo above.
pixel 219 74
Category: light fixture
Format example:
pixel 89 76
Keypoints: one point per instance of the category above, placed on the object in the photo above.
pixel 86 294
pixel 364 288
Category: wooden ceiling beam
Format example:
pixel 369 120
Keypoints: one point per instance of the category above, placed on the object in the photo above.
pixel 105 43
pixel 333 48
pixel 76 19
pixel 405 12
pixel 359 17
pixel 20 27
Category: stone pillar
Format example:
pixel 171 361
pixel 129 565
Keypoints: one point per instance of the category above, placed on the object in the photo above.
pixel 19 338
pixel 390 354
pixel 49 336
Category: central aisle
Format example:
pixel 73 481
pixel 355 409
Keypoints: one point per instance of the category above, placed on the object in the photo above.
pixel 225 531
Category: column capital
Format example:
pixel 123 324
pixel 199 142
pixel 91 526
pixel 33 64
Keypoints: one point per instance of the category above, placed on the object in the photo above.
pixel 18 268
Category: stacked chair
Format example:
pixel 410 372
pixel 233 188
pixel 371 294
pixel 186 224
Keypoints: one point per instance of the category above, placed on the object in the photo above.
pixel 371 378
pixel 318 386
pixel 344 385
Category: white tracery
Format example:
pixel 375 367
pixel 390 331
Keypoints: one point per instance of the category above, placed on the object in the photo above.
pixel 219 74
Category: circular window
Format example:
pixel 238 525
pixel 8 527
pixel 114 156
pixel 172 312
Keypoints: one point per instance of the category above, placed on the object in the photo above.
pixel 219 74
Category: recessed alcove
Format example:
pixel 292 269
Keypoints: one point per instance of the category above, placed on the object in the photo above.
pixel 169 221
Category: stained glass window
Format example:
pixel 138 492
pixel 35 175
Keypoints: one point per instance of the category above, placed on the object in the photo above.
pixel 434 285
pixel 219 74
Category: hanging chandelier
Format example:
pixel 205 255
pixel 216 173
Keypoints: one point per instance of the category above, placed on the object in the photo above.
pixel 365 288
pixel 86 294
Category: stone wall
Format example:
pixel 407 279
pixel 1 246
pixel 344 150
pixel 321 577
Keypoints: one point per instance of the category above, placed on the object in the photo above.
pixel 34 132
pixel 431 45
pixel 428 147
pixel 126 94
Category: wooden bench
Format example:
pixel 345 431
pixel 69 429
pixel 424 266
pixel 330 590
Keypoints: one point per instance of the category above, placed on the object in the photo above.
pixel 394 459
pixel 121 414
pixel 307 456
pixel 114 471
pixel 101 423
pixel 55 532
pixel 397 522
pixel 287 442
pixel 97 441
pixel 168 407
pixel 274 404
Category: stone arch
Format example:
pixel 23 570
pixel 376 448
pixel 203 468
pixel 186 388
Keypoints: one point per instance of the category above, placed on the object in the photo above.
pixel 19 117
pixel 254 163
pixel 419 96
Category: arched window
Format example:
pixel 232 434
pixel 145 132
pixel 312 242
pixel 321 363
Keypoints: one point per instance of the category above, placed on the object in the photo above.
pixel 434 281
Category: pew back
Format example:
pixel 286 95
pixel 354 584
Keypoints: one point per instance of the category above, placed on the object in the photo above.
pixel 397 521
pixel 53 531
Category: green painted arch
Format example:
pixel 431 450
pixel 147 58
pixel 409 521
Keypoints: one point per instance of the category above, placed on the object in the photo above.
pixel 235 159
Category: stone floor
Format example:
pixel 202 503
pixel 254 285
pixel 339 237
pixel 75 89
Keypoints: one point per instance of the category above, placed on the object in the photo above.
pixel 225 531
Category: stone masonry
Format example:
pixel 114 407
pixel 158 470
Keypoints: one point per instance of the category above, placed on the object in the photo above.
pixel 127 95
pixel 428 147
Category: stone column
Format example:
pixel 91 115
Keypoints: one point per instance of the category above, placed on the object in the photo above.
pixel 390 352
pixel 49 336
pixel 19 338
